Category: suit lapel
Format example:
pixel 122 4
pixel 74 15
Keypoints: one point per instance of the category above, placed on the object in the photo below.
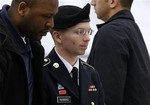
pixel 84 84
pixel 61 74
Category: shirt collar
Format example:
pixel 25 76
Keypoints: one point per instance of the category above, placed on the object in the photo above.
pixel 67 64
pixel 123 14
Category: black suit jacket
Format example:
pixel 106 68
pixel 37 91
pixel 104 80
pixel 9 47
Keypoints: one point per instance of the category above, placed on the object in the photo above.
pixel 60 89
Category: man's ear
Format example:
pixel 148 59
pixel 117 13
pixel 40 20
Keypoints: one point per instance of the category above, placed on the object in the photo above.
pixel 113 3
pixel 22 8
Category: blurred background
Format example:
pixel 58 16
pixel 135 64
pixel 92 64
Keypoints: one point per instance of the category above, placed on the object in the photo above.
pixel 140 10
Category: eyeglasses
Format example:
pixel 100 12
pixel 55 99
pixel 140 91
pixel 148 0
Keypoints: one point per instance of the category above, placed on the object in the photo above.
pixel 82 31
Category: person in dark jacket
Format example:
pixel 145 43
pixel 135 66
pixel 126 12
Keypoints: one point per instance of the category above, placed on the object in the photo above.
pixel 62 86
pixel 22 25
pixel 120 55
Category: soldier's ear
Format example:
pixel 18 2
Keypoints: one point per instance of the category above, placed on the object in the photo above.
pixel 57 36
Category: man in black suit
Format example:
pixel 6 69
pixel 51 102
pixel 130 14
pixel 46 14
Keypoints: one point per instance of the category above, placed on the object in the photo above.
pixel 120 55
pixel 71 37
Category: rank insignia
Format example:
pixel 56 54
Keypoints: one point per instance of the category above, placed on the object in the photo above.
pixel 56 65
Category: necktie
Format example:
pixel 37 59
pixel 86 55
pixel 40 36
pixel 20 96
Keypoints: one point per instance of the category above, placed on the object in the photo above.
pixel 75 75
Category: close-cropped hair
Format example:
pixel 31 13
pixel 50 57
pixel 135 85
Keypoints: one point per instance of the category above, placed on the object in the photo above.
pixel 29 2
pixel 60 30
pixel 126 3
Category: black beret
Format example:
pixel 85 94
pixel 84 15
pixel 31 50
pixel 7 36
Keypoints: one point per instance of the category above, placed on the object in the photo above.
pixel 69 15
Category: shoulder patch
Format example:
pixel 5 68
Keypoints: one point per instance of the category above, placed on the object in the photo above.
pixel 46 61
pixel 85 63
